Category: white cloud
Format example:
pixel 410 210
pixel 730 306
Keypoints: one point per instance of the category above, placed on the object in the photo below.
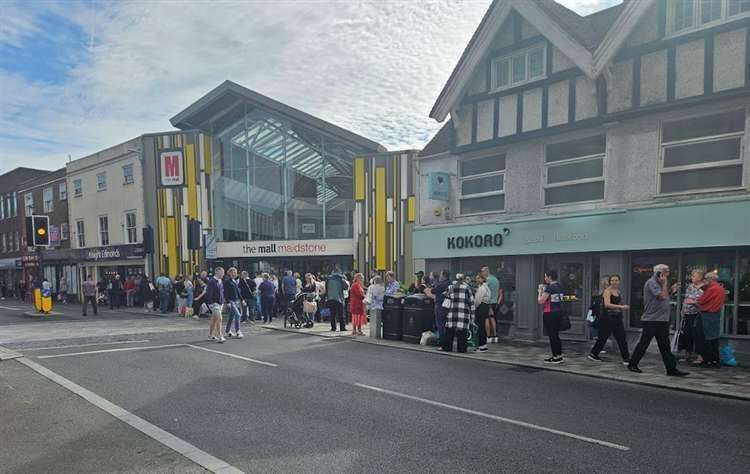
pixel 372 67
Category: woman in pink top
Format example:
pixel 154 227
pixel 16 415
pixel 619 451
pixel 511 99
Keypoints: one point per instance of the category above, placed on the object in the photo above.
pixel 357 305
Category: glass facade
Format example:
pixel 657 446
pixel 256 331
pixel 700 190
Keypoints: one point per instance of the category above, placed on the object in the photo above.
pixel 276 179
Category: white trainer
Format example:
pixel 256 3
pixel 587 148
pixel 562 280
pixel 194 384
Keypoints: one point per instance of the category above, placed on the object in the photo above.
pixel 222 339
pixel 239 335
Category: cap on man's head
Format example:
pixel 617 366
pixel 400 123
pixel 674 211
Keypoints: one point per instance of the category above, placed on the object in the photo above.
pixel 420 273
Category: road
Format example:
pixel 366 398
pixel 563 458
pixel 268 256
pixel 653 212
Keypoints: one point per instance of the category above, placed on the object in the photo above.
pixel 281 402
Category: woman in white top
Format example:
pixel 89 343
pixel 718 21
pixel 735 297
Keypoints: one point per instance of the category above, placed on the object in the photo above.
pixel 482 302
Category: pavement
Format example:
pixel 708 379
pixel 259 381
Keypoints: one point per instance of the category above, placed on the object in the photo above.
pixel 276 401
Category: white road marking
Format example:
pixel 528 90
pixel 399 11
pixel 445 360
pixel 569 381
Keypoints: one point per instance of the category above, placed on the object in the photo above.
pixel 142 348
pixel 255 361
pixel 169 440
pixel 11 308
pixel 84 345
pixel 496 418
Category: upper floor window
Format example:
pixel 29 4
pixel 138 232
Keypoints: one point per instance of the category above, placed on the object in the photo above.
pixel 574 171
pixel 127 174
pixel 77 187
pixel 14 206
pixel 48 199
pixel 64 231
pixel 28 203
pixel 685 15
pixel 518 68
pixel 482 184
pixel 2 206
pixel 702 153
pixel 101 181
pixel 63 190
pixel 131 232
pixel 103 230
pixel 80 233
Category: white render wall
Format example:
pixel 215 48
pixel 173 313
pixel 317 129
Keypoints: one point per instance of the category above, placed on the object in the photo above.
pixel 631 170
pixel 112 202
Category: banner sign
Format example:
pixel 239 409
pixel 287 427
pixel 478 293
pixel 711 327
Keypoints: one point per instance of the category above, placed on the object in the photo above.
pixel 171 168
pixel 115 252
pixel 285 248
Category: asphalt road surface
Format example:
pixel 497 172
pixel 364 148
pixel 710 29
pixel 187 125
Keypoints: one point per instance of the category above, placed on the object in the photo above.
pixel 281 402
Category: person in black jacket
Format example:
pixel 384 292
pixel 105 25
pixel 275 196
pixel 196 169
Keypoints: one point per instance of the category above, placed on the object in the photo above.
pixel 215 301
pixel 234 301
pixel 247 293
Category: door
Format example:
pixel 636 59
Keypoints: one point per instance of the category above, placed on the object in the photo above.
pixel 573 274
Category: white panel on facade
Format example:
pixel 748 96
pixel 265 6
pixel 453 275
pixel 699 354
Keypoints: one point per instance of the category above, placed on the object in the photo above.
pixel 462 124
pixel 532 110
pixel 586 104
pixel 557 108
pixel 560 62
pixel 485 120
pixel 405 163
pixel 183 240
pixel 389 210
pixel 620 95
pixel 169 202
pixel 654 77
pixel 689 69
pixel 167 141
pixel 201 154
pixel 729 60
pixel 508 114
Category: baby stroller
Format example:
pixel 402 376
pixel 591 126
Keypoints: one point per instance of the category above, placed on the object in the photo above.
pixel 295 315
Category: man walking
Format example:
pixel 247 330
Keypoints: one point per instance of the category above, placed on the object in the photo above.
pixel 215 302
pixel 335 286
pixel 656 322
pixel 233 299
pixel 89 294
pixel 164 286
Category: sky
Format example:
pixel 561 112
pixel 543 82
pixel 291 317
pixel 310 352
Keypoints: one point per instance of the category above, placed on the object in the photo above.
pixel 80 76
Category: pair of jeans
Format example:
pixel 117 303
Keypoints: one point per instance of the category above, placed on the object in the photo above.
pixel 266 307
pixel 234 316
pixel 86 300
pixel 440 315
pixel 552 326
pixel 337 314
pixel 481 315
pixel 660 331
pixel 163 300
pixel 454 333
pixel 611 324
pixel 129 296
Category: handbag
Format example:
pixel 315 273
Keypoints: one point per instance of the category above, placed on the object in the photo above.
pixel 204 308
pixel 446 303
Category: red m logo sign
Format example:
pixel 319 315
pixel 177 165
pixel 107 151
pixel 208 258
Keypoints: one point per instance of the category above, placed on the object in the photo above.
pixel 171 165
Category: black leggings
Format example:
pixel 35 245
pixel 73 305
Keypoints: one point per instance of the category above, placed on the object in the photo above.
pixel 552 326
pixel 459 334
pixel 481 314
pixel 611 324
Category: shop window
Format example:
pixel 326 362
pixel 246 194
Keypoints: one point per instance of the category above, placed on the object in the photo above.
pixel 518 68
pixel 103 230
pixel 64 231
pixel 482 184
pixel 101 181
pixel 703 153
pixel 131 233
pixel 77 188
pixel 723 263
pixel 48 199
pixel 743 294
pixel 127 174
pixel 574 171
pixel 504 269
pixel 641 269
pixel 63 190
pixel 80 233
pixel 28 202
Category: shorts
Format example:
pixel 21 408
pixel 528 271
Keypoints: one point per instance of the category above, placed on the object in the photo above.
pixel 216 309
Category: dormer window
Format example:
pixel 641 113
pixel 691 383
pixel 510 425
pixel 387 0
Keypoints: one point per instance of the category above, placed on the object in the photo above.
pixel 519 67
pixel 689 15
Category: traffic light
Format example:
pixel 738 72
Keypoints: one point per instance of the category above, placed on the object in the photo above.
pixel 37 231
pixel 194 234
pixel 148 239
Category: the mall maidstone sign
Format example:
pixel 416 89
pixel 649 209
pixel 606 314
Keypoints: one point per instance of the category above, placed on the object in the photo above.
pixel 285 248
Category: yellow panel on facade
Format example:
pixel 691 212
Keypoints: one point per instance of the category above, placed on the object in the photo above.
pixel 411 208
pixel 380 219
pixel 359 179
pixel 172 246
pixel 192 191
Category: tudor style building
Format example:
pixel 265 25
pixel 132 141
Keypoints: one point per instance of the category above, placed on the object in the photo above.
pixel 594 145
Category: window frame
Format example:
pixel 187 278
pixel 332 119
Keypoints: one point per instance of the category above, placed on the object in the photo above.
pixel 103 232
pixel 77 190
pixel 51 207
pixel 510 57
pixel 101 185
pixel 28 203
pixel 64 231
pixel 462 178
pixel 81 233
pixel 710 165
pixel 578 159
pixel 697 25
pixel 62 191
pixel 128 178
pixel 134 228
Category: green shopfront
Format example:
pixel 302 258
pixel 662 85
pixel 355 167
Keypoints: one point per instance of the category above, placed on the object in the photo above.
pixel 587 247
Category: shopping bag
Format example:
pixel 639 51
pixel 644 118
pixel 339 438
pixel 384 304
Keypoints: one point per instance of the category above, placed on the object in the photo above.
pixel 472 335
pixel 727 356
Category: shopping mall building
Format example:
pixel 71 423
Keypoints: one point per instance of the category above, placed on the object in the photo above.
pixel 593 145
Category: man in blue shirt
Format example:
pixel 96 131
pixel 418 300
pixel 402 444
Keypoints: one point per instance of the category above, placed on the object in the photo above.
pixel 164 286
pixel 288 288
